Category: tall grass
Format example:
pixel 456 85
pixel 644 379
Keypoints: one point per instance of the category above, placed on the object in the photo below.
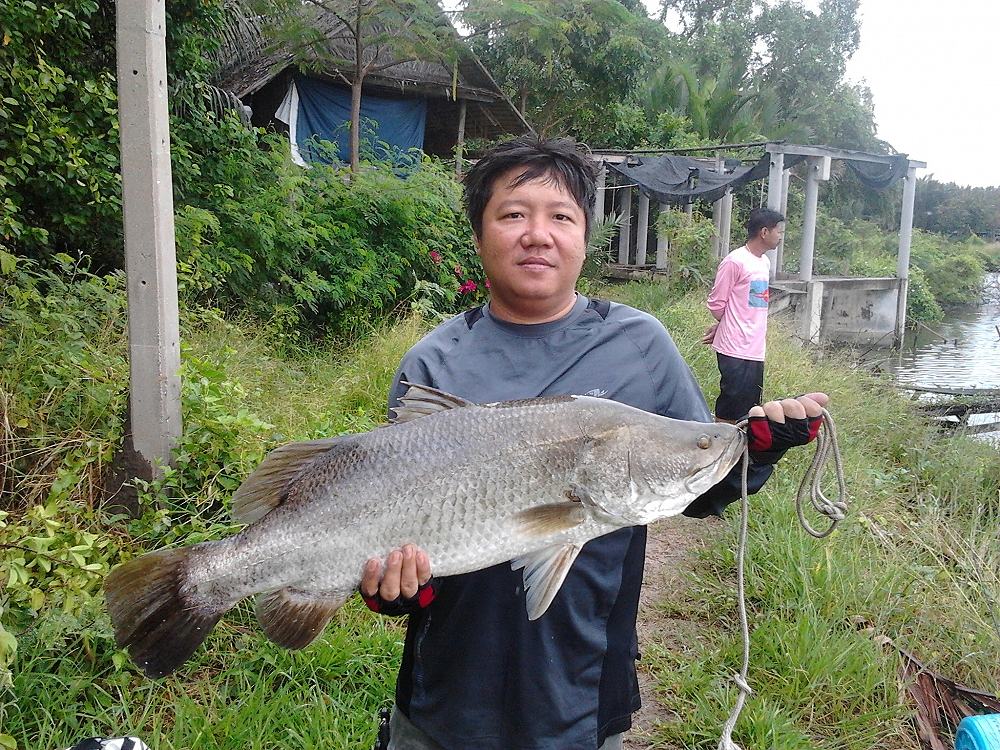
pixel 917 561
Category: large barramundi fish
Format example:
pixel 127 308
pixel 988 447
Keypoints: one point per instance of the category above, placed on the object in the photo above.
pixel 474 485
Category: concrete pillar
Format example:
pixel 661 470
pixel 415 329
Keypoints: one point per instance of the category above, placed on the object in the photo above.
pixel 903 256
pixel 779 262
pixel 625 228
pixel 726 232
pixel 602 183
pixel 150 256
pixel 774 181
pixel 717 221
pixel 720 167
pixel 642 230
pixel 460 141
pixel 811 318
pixel 662 247
pixel 818 169
pixel 689 208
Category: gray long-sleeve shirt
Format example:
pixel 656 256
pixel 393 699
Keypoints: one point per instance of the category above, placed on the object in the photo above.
pixel 476 673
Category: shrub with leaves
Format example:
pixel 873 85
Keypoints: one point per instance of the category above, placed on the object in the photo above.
pixel 689 240
pixel 317 243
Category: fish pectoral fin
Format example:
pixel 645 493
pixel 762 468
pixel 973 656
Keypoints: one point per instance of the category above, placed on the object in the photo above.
pixel 267 487
pixel 421 400
pixel 544 572
pixel 293 619
pixel 550 519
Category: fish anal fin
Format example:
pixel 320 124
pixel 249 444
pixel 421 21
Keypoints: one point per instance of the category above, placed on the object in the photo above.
pixel 544 520
pixel 422 400
pixel 544 573
pixel 267 487
pixel 293 619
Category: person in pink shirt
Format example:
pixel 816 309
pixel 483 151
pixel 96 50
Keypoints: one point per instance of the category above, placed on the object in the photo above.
pixel 738 302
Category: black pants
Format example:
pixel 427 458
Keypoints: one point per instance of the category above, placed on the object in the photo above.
pixel 741 386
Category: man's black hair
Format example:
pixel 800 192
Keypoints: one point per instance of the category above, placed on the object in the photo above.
pixel 556 160
pixel 761 218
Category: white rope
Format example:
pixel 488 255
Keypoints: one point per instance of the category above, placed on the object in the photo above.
pixel 826 442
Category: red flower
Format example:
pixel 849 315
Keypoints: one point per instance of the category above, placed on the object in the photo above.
pixel 458 271
pixel 436 256
pixel 467 286
pixel 487 283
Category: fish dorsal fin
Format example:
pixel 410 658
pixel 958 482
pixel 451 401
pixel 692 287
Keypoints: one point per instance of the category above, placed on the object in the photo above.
pixel 267 487
pixel 544 572
pixel 294 619
pixel 421 400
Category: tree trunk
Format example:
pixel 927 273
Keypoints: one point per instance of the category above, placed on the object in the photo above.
pixel 355 123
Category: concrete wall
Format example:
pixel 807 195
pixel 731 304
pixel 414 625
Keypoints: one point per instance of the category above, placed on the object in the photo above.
pixel 856 311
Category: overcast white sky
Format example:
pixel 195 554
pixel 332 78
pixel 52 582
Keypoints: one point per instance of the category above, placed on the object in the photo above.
pixel 933 68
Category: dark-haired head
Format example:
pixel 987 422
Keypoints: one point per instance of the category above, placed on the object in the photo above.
pixel 556 160
pixel 762 218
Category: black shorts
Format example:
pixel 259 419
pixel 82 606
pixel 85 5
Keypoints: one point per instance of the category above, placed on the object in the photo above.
pixel 741 386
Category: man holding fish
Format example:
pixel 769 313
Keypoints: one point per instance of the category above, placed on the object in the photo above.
pixel 477 671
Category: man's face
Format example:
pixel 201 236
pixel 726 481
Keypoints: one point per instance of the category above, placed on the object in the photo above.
pixel 532 243
pixel 771 236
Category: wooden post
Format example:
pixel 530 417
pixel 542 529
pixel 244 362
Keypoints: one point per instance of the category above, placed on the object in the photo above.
pixel 150 262
pixel 642 230
pixel 602 184
pixel 662 247
pixel 774 181
pixel 903 257
pixel 460 142
pixel 625 228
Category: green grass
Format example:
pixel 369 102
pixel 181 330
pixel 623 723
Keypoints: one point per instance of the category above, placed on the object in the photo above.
pixel 917 561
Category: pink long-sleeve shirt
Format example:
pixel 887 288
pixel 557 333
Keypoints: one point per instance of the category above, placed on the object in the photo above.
pixel 739 302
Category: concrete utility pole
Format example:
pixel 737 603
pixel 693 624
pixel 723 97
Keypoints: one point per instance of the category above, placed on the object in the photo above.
pixel 150 261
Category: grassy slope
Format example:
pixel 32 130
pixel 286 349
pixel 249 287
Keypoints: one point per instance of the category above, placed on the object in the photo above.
pixel 918 560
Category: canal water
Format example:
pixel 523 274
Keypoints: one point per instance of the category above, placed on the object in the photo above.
pixel 962 351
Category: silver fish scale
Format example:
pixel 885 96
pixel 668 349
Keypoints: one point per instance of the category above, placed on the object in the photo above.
pixel 450 482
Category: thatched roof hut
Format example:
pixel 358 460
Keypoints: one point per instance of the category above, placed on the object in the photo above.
pixel 459 102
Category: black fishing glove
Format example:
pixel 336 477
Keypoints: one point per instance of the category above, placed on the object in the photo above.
pixel 403 605
pixel 768 440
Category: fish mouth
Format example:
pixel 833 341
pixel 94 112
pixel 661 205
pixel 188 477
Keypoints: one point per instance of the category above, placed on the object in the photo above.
pixel 711 473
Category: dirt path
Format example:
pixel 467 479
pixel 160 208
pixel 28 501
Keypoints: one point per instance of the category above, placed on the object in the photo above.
pixel 671 548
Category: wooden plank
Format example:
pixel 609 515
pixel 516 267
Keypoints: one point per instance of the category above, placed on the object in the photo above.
pixel 949 391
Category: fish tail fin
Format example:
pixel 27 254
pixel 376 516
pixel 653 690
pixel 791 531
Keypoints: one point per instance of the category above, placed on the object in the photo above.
pixel 151 616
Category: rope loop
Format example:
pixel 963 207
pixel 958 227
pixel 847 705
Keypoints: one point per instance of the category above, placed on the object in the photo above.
pixel 835 510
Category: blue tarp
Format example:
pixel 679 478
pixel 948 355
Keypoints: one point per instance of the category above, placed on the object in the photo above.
pixel 388 126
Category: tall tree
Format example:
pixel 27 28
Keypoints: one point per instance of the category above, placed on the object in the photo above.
pixel 572 66
pixel 359 38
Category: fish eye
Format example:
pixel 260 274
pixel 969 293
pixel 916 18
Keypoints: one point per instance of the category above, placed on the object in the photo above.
pixel 704 442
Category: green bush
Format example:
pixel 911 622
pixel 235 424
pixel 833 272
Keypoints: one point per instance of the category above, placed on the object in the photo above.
pixel 689 240
pixel 60 184
pixel 315 245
